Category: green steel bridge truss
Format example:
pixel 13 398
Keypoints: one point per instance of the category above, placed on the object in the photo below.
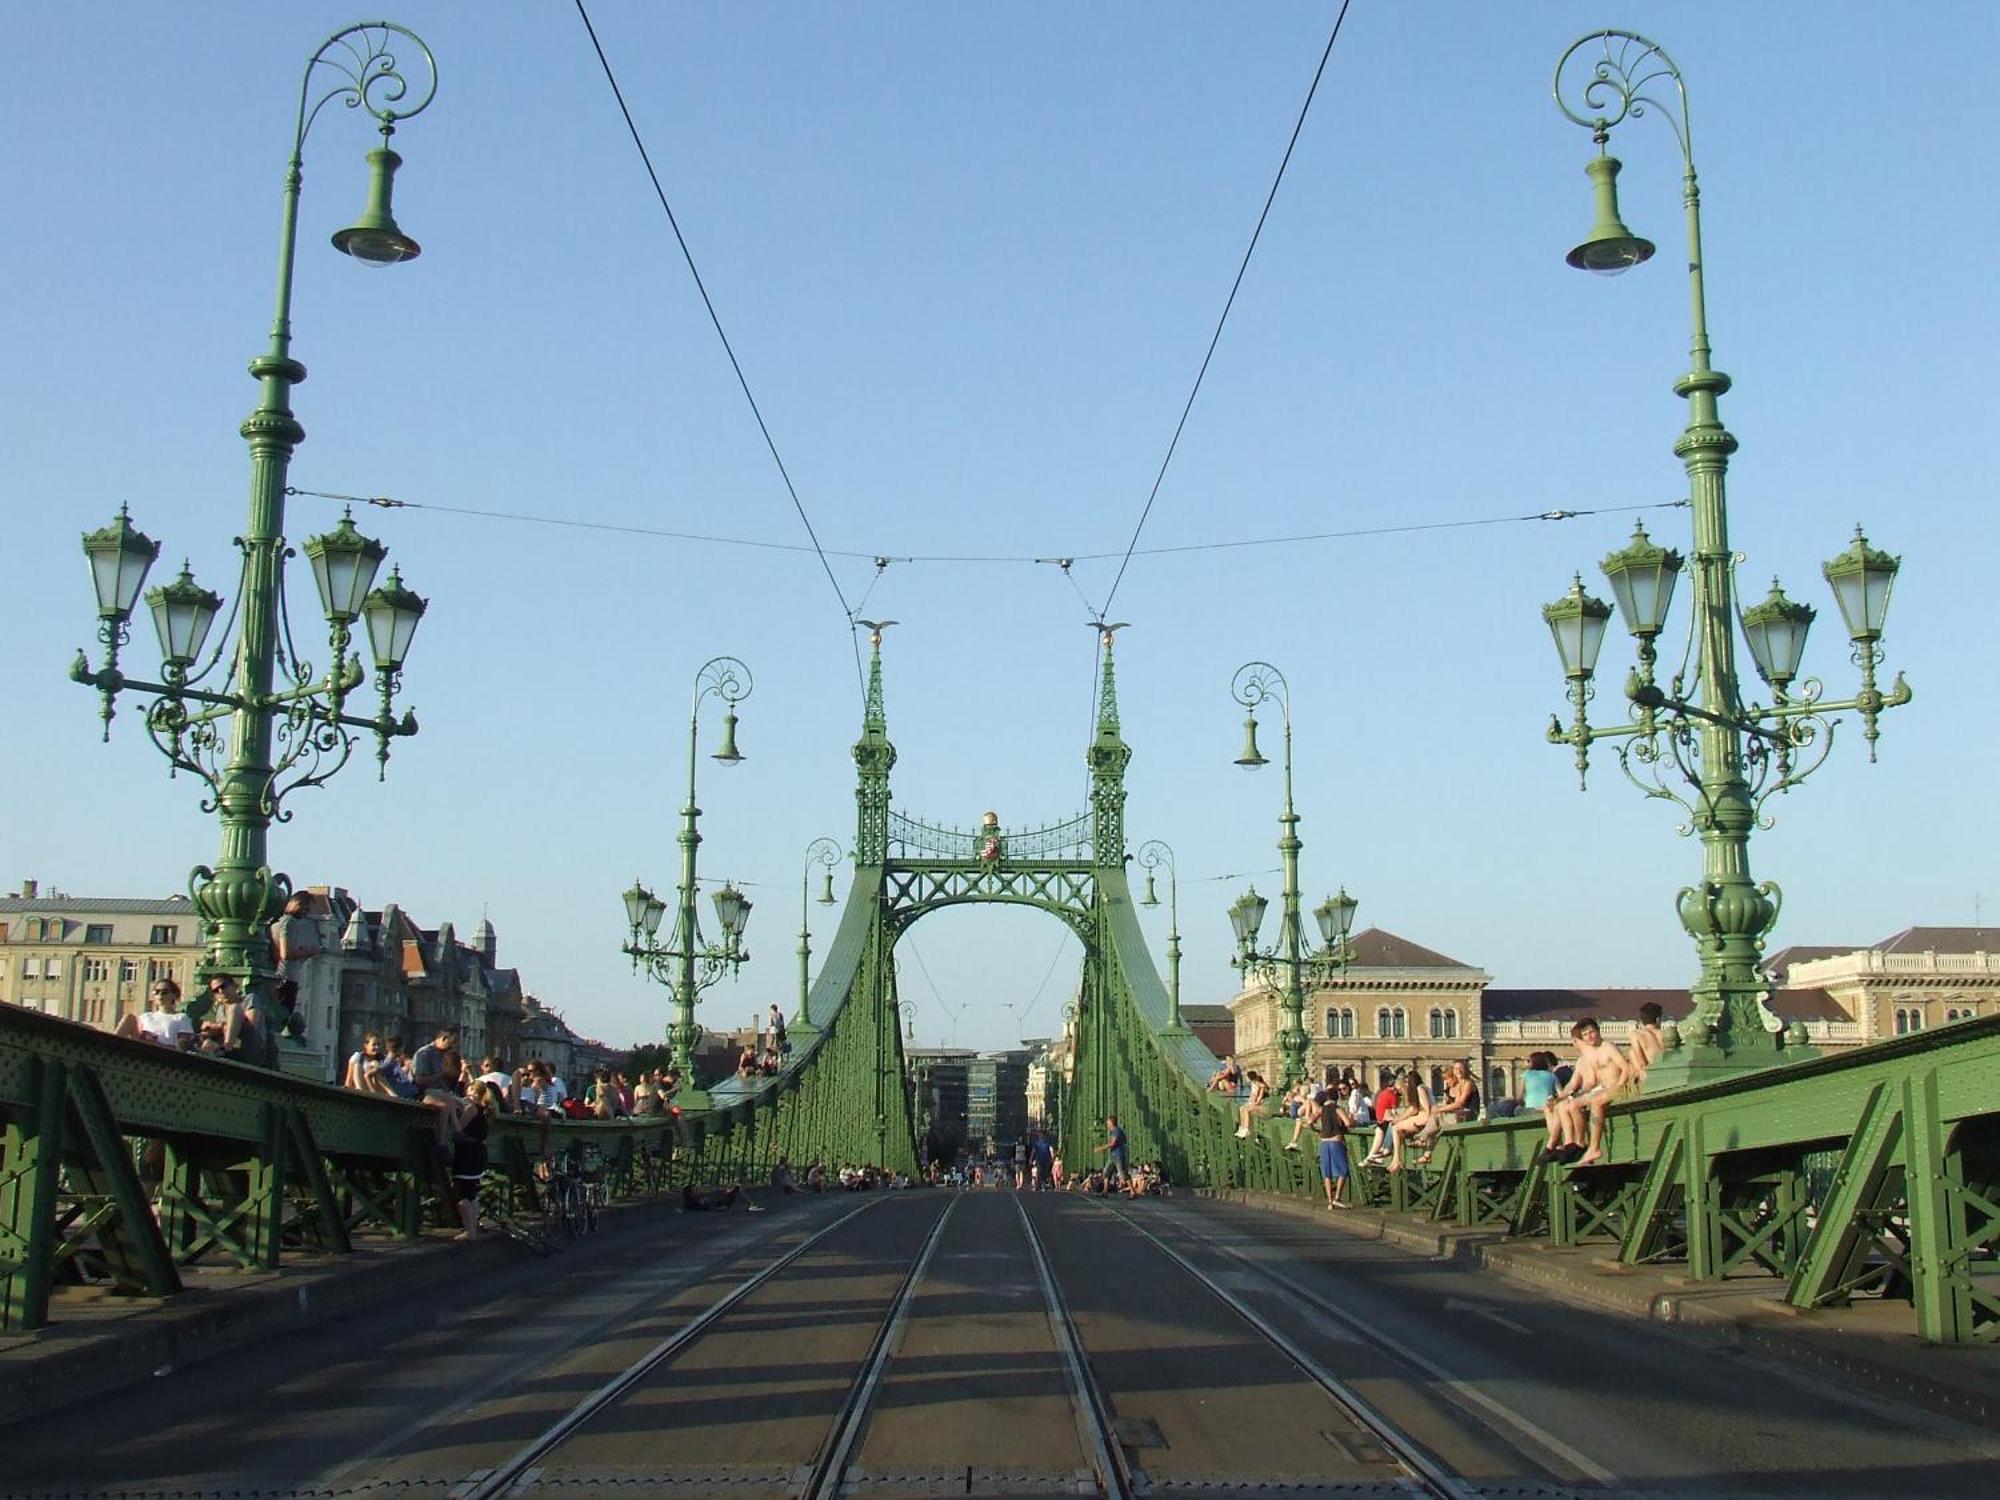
pixel 1871 1173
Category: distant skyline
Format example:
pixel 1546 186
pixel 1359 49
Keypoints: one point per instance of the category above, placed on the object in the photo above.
pixel 970 260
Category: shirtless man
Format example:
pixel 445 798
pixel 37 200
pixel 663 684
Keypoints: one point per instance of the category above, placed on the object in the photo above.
pixel 1601 1070
pixel 1647 1045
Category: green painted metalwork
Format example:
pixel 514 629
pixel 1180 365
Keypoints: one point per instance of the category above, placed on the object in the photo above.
pixel 1695 742
pixel 260 738
pixel 688 962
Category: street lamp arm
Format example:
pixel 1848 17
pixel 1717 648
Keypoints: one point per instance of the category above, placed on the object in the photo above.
pixel 1618 81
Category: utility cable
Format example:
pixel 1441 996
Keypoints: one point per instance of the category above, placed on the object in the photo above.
pixel 1066 564
pixel 1235 286
pixel 715 318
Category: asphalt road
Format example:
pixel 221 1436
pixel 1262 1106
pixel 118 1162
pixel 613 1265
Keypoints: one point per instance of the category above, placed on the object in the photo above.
pixel 1512 1391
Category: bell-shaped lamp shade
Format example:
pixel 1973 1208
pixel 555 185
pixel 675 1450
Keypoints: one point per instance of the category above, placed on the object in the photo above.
pixel 729 755
pixel 1152 896
pixel 1247 915
pixel 373 239
pixel 826 889
pixel 119 556
pixel 732 910
pixel 1775 631
pixel 392 612
pixel 1577 622
pixel 1862 578
pixel 1252 757
pixel 636 901
pixel 344 563
pixel 1642 582
pixel 1610 248
pixel 183 611
pixel 656 910
pixel 1336 918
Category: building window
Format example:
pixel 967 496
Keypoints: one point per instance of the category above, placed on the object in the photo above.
pixel 1437 1084
pixel 51 968
pixel 1399 1023
pixel 1444 1023
pixel 1451 1023
pixel 160 968
pixel 31 968
pixel 1496 1085
pixel 128 970
pixel 1382 1022
pixel 1908 1021
pixel 96 970
pixel 165 936
pixel 97 932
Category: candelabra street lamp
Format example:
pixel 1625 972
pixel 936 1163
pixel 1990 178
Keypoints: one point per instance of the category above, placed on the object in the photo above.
pixel 1256 683
pixel 1152 854
pixel 687 962
pixel 825 853
pixel 272 723
pixel 1728 758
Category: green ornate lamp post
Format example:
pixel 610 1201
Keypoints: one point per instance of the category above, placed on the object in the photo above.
pixel 1152 854
pixel 825 853
pixel 1254 684
pixel 1728 757
pixel 687 962
pixel 271 723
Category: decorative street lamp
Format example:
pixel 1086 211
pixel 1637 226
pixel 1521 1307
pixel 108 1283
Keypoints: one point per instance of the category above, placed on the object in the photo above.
pixel 688 962
pixel 224 734
pixel 1254 684
pixel 826 853
pixel 1730 757
pixel 1152 854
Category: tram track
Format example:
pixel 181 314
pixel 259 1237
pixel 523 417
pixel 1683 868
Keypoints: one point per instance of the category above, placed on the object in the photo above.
pixel 1106 1362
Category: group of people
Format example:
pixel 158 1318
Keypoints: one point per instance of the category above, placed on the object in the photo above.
pixel 240 1025
pixel 1574 1098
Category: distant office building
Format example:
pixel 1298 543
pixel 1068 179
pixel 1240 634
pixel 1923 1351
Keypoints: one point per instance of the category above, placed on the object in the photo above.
pixel 91 958
pixel 939 1089
pixel 996 1101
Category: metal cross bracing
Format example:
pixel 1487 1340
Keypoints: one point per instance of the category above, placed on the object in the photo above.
pixel 1874 1173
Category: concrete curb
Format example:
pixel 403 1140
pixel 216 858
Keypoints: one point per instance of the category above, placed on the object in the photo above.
pixel 1959 1381
pixel 83 1356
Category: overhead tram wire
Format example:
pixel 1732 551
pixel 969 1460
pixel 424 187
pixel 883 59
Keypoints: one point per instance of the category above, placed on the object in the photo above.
pixel 1354 533
pixel 715 318
pixel 1235 286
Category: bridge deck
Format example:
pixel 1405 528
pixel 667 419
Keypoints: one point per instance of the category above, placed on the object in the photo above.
pixel 1505 1388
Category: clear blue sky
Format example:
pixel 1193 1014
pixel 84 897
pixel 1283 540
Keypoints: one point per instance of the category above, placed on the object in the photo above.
pixel 970 258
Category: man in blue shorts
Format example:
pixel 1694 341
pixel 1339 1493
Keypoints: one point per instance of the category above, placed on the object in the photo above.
pixel 1332 1122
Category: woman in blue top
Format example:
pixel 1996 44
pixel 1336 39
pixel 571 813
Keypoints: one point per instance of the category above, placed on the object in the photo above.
pixel 1538 1083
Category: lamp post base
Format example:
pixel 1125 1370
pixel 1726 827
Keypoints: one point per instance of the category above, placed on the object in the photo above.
pixel 1724 1054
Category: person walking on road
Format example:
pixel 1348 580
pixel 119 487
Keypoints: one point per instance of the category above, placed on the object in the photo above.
pixel 1113 1149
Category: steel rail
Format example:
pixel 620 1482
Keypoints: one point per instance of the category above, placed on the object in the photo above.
pixel 497 1481
pixel 1457 1389
pixel 1093 1415
pixel 1417 1461
pixel 830 1465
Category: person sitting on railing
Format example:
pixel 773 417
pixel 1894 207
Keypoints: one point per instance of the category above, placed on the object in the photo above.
pixel 647 1100
pixel 500 1081
pixel 1225 1079
pixel 1259 1092
pixel 769 1064
pixel 1538 1084
pixel 602 1098
pixel 1599 1073
pixel 746 1063
pixel 164 1025
pixel 1355 1099
pixel 1413 1113
pixel 1460 1104
pixel 1388 1097
pixel 1647 1044
pixel 233 1028
pixel 437 1067
pixel 396 1069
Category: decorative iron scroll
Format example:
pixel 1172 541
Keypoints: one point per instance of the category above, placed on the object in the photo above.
pixel 912 840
